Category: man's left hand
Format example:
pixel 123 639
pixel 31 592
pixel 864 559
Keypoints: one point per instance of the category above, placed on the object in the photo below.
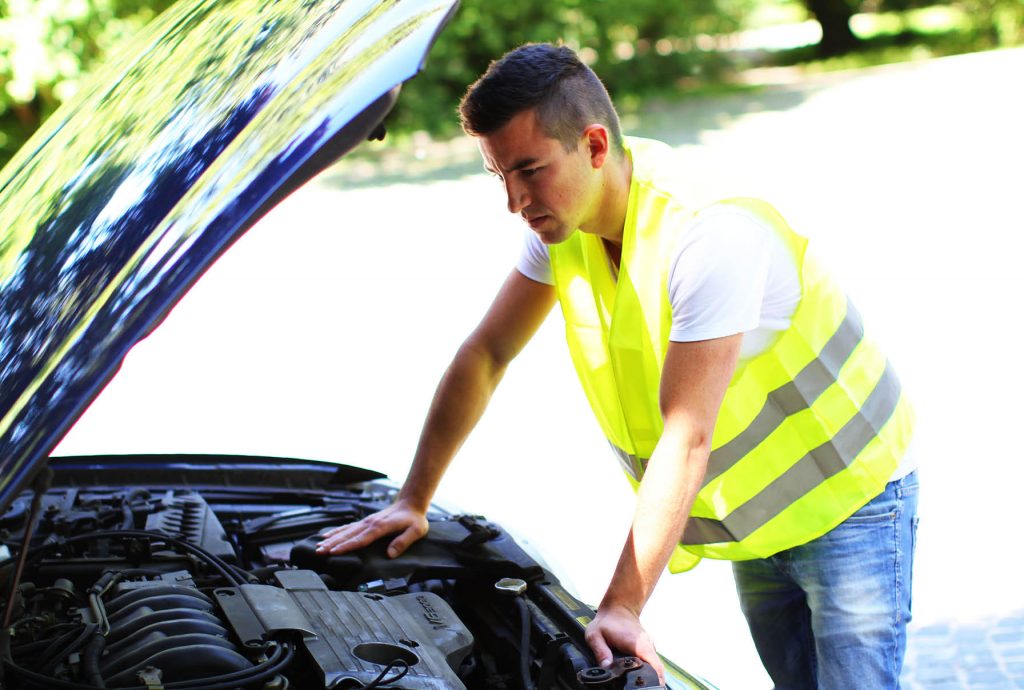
pixel 618 628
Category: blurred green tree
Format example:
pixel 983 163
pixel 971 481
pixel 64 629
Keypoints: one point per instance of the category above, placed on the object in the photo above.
pixel 995 22
pixel 47 46
pixel 636 47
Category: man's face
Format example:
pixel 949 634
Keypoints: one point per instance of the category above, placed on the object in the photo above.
pixel 554 191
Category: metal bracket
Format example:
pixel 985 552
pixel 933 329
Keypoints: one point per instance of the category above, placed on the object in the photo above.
pixel 625 672
pixel 152 678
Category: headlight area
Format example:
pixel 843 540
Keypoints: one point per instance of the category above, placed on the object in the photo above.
pixel 145 588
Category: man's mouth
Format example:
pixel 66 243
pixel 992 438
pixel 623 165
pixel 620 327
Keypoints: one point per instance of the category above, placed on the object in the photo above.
pixel 536 221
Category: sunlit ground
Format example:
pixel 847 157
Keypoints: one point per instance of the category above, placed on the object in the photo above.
pixel 323 332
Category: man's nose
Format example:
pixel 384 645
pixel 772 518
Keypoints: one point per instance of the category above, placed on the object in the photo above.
pixel 517 196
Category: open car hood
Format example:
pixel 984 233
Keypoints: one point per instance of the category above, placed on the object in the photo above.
pixel 217 111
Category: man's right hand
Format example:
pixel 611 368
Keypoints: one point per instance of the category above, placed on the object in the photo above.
pixel 515 315
pixel 409 524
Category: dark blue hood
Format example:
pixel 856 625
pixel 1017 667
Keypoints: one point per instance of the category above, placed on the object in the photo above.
pixel 128 194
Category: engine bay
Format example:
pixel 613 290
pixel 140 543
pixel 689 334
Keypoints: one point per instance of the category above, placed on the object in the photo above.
pixel 203 588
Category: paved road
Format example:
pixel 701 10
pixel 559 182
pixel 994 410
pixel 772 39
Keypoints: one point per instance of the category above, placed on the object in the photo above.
pixel 323 332
pixel 984 654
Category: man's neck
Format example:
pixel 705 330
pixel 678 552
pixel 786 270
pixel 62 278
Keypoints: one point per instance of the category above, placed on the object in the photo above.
pixel 611 218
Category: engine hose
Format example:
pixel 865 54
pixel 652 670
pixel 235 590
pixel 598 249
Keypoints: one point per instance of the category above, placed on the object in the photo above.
pixel 95 594
pixel 524 643
pixel 99 611
pixel 61 649
pixel 224 569
pixel 29 648
pixel 91 660
pixel 265 668
pixel 54 646
pixel 59 643
pixel 243 573
pixel 279 659
pixel 108 579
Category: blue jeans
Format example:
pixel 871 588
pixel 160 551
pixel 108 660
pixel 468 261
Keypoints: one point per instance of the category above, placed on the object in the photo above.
pixel 833 613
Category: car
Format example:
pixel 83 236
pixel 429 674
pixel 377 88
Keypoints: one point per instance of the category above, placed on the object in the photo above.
pixel 191 572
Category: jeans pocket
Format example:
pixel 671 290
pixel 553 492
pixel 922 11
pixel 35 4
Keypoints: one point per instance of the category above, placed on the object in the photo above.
pixel 882 508
pixel 873 518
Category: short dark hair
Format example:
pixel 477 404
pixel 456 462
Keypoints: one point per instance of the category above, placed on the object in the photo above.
pixel 565 93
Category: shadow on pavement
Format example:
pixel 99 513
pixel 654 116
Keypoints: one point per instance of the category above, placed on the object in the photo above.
pixel 684 122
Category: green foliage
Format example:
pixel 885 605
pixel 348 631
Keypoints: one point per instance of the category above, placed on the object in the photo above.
pixel 641 46
pixel 997 22
pixel 637 47
pixel 47 47
pixel 992 23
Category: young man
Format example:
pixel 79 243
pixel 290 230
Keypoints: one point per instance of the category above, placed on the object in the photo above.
pixel 729 373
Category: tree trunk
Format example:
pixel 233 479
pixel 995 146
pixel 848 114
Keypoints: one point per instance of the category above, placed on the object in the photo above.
pixel 834 16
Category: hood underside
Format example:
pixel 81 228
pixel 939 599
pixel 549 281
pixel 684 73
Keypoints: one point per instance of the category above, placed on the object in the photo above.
pixel 212 115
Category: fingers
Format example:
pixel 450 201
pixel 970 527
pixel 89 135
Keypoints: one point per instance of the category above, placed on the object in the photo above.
pixel 349 537
pixel 602 652
pixel 646 651
pixel 335 530
pixel 409 525
pixel 625 634
pixel 400 543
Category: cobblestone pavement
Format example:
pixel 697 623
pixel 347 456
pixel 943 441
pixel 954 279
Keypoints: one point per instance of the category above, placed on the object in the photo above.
pixel 986 654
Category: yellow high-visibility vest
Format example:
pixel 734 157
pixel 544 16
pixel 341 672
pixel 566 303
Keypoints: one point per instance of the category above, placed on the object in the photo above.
pixel 808 432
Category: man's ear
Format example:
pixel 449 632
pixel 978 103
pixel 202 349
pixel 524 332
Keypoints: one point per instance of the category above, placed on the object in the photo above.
pixel 595 137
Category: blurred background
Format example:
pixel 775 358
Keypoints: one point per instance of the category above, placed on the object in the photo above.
pixel 888 132
pixel 641 48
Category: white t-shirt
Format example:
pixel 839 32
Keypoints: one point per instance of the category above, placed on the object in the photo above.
pixel 731 273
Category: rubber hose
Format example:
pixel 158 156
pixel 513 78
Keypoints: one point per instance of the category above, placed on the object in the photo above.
pixel 524 643
pixel 277 662
pixel 91 660
pixel 61 647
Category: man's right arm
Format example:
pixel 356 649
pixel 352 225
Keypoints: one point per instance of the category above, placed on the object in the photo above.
pixel 516 313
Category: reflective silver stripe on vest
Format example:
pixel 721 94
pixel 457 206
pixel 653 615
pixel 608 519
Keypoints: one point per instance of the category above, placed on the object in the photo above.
pixel 632 465
pixel 794 396
pixel 799 394
pixel 823 462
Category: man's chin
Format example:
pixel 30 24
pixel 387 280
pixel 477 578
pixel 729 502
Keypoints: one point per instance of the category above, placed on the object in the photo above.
pixel 555 236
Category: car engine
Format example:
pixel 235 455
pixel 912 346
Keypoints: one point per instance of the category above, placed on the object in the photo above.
pixel 189 589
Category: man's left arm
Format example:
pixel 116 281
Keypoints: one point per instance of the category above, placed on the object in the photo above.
pixel 693 382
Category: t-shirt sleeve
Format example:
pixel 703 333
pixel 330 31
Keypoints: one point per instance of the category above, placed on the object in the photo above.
pixel 534 261
pixel 718 275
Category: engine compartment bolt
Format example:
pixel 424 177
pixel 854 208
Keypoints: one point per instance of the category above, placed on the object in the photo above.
pixel 510 586
pixel 595 675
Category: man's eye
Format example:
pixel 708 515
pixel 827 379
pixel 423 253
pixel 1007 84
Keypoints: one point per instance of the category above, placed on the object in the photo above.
pixel 530 172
